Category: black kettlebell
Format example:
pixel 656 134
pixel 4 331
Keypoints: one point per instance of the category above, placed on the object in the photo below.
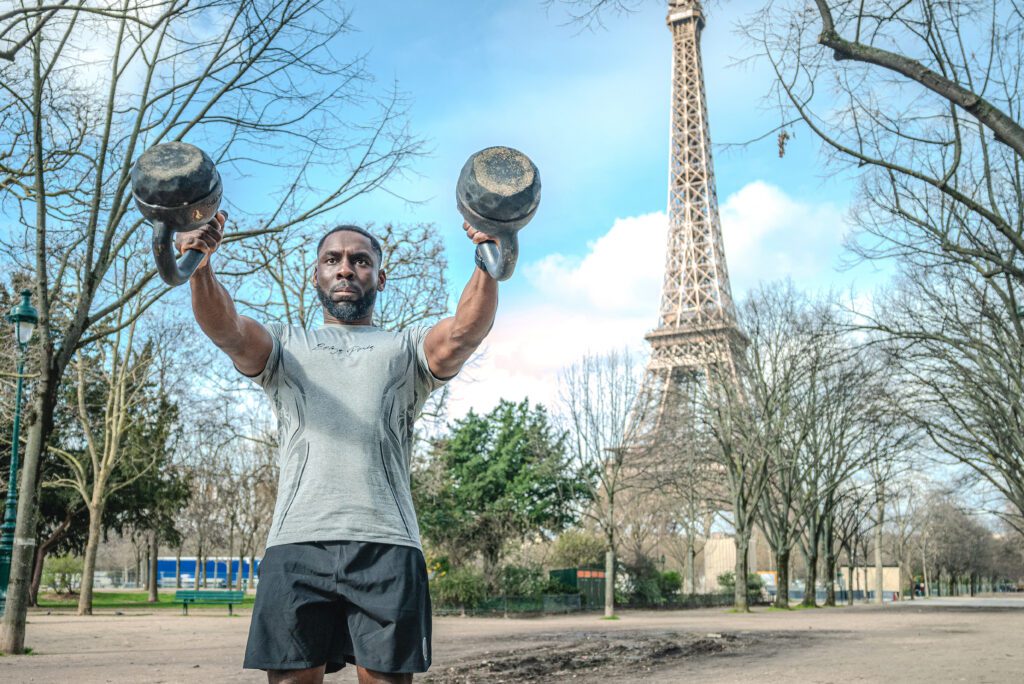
pixel 176 186
pixel 498 193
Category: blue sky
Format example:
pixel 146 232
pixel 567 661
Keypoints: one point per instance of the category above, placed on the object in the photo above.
pixel 591 109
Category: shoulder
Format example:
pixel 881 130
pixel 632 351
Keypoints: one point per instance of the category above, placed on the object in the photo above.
pixel 413 336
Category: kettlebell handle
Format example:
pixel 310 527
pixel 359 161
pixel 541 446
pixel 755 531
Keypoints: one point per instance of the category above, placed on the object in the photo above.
pixel 172 270
pixel 499 258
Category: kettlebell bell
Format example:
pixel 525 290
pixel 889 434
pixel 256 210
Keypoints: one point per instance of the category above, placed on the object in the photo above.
pixel 498 193
pixel 177 188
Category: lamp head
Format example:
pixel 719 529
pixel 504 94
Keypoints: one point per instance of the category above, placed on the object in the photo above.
pixel 24 317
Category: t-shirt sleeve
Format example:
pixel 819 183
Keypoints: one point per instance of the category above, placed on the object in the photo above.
pixel 425 376
pixel 268 376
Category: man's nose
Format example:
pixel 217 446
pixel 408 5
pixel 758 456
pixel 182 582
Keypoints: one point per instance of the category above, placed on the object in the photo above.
pixel 345 270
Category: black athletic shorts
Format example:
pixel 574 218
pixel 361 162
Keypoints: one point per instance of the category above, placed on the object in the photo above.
pixel 331 603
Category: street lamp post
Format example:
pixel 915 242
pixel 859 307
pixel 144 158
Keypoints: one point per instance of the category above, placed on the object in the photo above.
pixel 24 318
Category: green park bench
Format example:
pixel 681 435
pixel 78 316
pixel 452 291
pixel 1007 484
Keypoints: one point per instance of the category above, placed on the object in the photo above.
pixel 192 597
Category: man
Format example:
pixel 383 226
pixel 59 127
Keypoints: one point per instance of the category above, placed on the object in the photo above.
pixel 343 578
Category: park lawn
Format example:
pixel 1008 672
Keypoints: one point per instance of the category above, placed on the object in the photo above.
pixel 125 599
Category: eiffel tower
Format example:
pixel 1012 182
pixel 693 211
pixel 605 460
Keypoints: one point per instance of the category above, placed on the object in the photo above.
pixel 697 335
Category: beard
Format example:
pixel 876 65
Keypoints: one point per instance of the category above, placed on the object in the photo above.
pixel 348 311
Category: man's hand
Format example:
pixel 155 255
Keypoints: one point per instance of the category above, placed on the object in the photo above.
pixel 475 235
pixel 206 239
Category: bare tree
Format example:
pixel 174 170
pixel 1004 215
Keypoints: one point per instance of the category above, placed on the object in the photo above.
pixel 905 517
pixel 848 520
pixel 265 94
pixel 794 347
pixel 121 370
pixel 20 25
pixel 921 101
pixel 958 347
pixel 741 454
pixel 600 408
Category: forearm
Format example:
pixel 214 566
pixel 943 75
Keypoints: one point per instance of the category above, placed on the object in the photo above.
pixel 215 310
pixel 474 316
pixel 453 340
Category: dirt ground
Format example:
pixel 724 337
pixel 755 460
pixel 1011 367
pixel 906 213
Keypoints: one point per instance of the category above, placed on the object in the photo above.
pixel 939 640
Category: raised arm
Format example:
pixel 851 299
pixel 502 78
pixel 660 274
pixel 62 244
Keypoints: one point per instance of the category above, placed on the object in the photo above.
pixel 451 342
pixel 245 341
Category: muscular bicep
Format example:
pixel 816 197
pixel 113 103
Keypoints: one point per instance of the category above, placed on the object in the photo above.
pixel 443 357
pixel 250 355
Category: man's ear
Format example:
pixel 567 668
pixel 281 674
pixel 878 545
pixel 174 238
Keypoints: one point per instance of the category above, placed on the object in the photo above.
pixel 312 276
pixel 381 279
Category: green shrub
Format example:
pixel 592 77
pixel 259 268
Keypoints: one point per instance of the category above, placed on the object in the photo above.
pixel 670 583
pixel 554 586
pixel 578 549
pixel 459 588
pixel 522 580
pixel 63 574
pixel 727 581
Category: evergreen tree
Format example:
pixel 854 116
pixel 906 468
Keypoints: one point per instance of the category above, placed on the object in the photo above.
pixel 497 478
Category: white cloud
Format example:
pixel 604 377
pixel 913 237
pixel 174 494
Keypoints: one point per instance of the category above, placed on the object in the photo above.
pixel 769 235
pixel 620 274
pixel 608 297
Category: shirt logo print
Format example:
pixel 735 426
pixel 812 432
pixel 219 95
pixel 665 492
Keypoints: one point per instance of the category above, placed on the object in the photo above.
pixel 341 351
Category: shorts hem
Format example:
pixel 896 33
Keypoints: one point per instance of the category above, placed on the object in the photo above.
pixel 286 665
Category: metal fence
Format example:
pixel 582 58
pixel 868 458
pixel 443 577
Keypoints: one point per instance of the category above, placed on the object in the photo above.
pixel 683 602
pixel 518 605
pixel 553 604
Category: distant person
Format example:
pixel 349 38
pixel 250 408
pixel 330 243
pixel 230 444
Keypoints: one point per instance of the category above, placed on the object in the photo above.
pixel 343 579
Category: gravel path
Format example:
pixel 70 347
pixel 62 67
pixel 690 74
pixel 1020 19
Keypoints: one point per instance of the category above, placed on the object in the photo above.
pixel 940 640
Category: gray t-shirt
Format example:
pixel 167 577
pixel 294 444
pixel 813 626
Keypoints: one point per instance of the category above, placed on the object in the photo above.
pixel 346 397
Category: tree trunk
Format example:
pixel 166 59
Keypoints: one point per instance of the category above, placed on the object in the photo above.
pixel 177 569
pixel 830 563
pixel 138 564
pixel 146 564
pixel 89 565
pixel 199 560
pixel 609 583
pixel 205 561
pixel 849 591
pixel 40 559
pixel 782 584
pixel 691 562
pixel 740 602
pixel 37 577
pixel 12 638
pixel 252 570
pixel 811 578
pixel 830 578
pixel 154 579
pixel 231 552
pixel 878 562
pixel 241 567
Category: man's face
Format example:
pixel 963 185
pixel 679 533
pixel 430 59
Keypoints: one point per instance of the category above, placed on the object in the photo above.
pixel 347 277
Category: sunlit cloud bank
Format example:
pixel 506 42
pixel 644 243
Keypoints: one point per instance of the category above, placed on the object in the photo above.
pixel 608 297
pixel 770 235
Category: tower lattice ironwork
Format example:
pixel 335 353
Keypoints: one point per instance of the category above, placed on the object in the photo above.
pixel 697 331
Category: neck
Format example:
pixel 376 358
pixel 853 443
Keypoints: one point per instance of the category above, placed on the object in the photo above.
pixel 331 320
